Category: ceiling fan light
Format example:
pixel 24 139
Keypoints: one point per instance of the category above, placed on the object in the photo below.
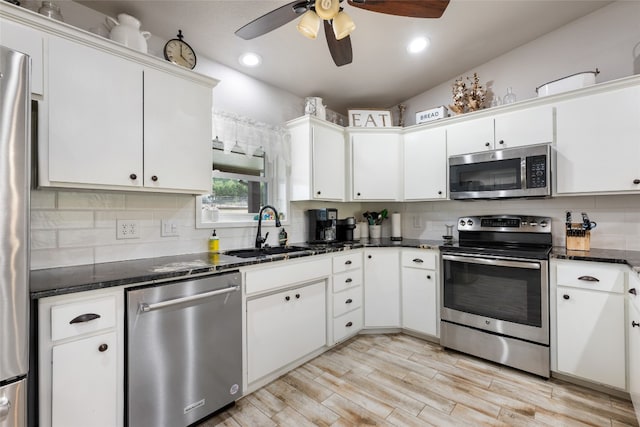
pixel 309 24
pixel 327 9
pixel 343 25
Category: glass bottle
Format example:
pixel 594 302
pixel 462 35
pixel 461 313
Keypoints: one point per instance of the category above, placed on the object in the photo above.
pixel 510 97
pixel 50 10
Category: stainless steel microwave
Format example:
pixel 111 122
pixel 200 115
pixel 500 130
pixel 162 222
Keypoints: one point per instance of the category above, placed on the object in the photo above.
pixel 507 173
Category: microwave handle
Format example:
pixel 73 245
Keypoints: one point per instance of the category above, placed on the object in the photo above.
pixel 523 173
pixel 492 261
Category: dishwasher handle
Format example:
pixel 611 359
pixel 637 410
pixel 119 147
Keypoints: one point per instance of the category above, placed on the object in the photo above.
pixel 145 307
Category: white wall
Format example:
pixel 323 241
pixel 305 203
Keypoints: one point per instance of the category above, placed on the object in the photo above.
pixel 604 39
pixel 74 228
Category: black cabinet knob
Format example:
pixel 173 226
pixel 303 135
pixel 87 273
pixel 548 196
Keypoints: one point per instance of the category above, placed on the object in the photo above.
pixel 349 301
pixel 439 192
pixel 487 144
pixel 348 325
pixel 633 291
pixel 133 176
pixel 287 298
pixel 429 276
pixel 636 181
pixel 318 192
pixel 154 178
pixel 358 194
pixel 565 296
pixel 297 296
pixel 103 348
pixel 501 142
pixel 369 256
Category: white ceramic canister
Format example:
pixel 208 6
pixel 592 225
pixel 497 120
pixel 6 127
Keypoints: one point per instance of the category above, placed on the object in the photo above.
pixel 126 30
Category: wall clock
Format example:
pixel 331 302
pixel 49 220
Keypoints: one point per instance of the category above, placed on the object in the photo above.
pixel 179 52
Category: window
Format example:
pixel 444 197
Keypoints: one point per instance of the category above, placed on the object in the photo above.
pixel 245 177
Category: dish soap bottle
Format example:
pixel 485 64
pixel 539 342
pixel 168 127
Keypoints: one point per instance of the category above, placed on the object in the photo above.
pixel 214 243
pixel 282 237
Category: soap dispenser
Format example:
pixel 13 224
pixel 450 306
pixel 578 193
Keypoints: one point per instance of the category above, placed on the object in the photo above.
pixel 214 243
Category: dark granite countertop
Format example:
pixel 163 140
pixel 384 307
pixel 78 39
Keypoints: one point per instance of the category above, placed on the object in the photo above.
pixel 614 256
pixel 65 280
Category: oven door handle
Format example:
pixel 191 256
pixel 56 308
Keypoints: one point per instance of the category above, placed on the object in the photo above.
pixel 496 262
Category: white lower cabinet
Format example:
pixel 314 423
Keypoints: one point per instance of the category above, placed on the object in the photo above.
pixel 81 359
pixel 284 327
pixel 419 291
pixel 382 288
pixel 347 296
pixel 590 322
pixel 84 382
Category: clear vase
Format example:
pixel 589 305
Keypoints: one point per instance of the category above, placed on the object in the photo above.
pixel 510 97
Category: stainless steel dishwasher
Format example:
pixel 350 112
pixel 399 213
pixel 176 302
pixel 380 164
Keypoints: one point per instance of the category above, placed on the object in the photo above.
pixel 184 350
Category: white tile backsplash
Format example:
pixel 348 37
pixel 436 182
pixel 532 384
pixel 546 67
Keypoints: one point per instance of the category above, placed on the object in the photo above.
pixel 74 228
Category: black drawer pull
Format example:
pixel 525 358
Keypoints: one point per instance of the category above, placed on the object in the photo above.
pixel 103 348
pixel 349 280
pixel 347 262
pixel 348 325
pixel 588 279
pixel 633 291
pixel 87 317
pixel 636 181
pixel 565 296
pixel 634 324
pixel 418 260
pixel 349 301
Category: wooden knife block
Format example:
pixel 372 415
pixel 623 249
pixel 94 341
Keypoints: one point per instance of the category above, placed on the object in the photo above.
pixel 580 242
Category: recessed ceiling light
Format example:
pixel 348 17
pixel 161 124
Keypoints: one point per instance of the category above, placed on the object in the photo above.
pixel 418 45
pixel 250 59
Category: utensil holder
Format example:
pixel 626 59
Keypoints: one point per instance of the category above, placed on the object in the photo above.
pixel 375 231
pixel 578 239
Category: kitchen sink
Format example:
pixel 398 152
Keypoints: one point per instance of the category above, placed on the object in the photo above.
pixel 254 252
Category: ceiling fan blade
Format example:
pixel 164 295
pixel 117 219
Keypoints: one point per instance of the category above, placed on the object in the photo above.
pixel 272 20
pixel 341 51
pixel 410 8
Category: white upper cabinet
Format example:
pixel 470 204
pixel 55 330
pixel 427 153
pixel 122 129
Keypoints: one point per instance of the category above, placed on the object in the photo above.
pixel 507 130
pixel 317 160
pixel 26 40
pixel 425 164
pixel 597 133
pixel 177 133
pixel 376 164
pixel 95 119
pixel 116 123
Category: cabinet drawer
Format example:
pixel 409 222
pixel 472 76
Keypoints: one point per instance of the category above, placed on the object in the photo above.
pixel 347 324
pixel 347 262
pixel 265 279
pixel 347 301
pixel 589 275
pixel 82 317
pixel 420 259
pixel 347 280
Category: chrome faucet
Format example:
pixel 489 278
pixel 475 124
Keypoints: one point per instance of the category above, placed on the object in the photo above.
pixel 259 239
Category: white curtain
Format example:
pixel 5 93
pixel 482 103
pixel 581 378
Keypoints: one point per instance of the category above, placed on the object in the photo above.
pixel 250 135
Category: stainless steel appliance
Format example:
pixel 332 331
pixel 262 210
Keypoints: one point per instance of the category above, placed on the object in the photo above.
pixel 184 350
pixel 322 225
pixel 344 229
pixel 495 290
pixel 511 172
pixel 15 108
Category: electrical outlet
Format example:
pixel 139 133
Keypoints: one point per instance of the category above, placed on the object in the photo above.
pixel 127 229
pixel 169 228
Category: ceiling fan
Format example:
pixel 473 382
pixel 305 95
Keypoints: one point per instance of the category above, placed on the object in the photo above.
pixel 337 24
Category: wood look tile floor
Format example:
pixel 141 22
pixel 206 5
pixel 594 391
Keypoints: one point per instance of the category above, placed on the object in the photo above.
pixel 399 380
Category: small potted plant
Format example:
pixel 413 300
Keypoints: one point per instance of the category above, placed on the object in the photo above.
pixel 374 219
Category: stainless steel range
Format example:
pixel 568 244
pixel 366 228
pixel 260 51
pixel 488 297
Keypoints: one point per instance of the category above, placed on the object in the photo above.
pixel 495 290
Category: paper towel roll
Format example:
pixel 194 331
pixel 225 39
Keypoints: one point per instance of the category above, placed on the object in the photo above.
pixel 396 226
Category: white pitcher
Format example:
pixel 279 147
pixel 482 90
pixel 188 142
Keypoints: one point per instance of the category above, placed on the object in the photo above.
pixel 126 30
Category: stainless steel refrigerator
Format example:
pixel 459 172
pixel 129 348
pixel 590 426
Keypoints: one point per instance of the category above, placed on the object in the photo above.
pixel 15 107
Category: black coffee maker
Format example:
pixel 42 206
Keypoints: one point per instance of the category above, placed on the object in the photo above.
pixel 345 229
pixel 322 225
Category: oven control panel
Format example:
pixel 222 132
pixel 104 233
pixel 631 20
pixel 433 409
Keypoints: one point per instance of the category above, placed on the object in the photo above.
pixel 505 223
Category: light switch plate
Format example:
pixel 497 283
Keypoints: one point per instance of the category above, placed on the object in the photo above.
pixel 169 228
